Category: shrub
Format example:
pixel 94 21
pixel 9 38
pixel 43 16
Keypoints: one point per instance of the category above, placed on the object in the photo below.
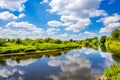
pixel 113 73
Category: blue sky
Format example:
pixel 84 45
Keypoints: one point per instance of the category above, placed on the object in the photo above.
pixel 76 19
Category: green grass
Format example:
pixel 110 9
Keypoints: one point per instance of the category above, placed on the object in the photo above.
pixel 113 73
pixel 14 48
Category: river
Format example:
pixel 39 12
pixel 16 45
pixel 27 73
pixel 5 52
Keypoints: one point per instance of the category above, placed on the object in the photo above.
pixel 75 64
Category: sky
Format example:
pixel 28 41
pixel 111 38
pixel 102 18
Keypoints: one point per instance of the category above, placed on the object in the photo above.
pixel 58 19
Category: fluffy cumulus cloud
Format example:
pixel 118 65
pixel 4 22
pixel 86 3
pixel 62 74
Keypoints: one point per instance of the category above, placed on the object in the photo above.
pixel 74 67
pixel 21 63
pixel 21 30
pixel 54 63
pixel 110 23
pixel 13 5
pixel 6 72
pixel 54 23
pixel 76 14
pixel 52 31
pixel 6 15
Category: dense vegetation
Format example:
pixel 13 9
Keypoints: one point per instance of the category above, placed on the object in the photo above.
pixel 113 42
pixel 91 42
pixel 113 73
pixel 29 45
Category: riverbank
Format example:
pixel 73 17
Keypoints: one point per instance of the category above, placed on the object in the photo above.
pixel 113 46
pixel 24 53
pixel 13 49
pixel 112 73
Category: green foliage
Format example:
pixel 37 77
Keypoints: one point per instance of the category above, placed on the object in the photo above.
pixel 113 73
pixel 48 39
pixel 27 41
pixel 102 39
pixel 91 42
pixel 29 45
pixel 71 40
pixel 18 41
pixel 29 49
pixel 116 35
pixel 2 42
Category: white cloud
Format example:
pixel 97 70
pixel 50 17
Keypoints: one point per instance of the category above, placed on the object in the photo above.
pixel 54 63
pixel 52 31
pixel 21 63
pixel 87 51
pixel 0 28
pixel 110 23
pixel 6 72
pixel 79 25
pixel 55 23
pixel 109 60
pixel 6 15
pixel 98 13
pixel 74 67
pixel 21 25
pixel 64 35
pixel 21 15
pixel 13 5
pixel 21 30
pixel 44 1
pixel 75 14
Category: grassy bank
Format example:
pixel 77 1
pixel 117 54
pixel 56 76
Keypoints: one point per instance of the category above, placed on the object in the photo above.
pixel 113 73
pixel 14 48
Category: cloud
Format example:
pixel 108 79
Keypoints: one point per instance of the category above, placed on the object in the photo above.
pixel 79 25
pixel 110 23
pixel 21 25
pixel 44 1
pixel 76 14
pixel 21 63
pixel 13 5
pixel 6 15
pixel 0 28
pixel 74 67
pixel 109 60
pixel 98 13
pixel 111 2
pixel 64 35
pixel 87 51
pixel 55 23
pixel 54 63
pixel 21 30
pixel 6 72
pixel 52 31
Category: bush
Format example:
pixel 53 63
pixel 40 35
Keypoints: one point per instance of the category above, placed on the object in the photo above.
pixel 113 73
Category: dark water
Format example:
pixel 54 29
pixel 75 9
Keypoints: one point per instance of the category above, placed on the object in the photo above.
pixel 76 64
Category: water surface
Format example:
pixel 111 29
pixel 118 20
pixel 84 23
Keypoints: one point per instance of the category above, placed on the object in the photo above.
pixel 76 64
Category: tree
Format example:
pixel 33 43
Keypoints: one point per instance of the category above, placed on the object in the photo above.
pixel 18 41
pixel 57 41
pixel 116 35
pixel 103 39
pixel 71 40
pixel 48 39
pixel 2 42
